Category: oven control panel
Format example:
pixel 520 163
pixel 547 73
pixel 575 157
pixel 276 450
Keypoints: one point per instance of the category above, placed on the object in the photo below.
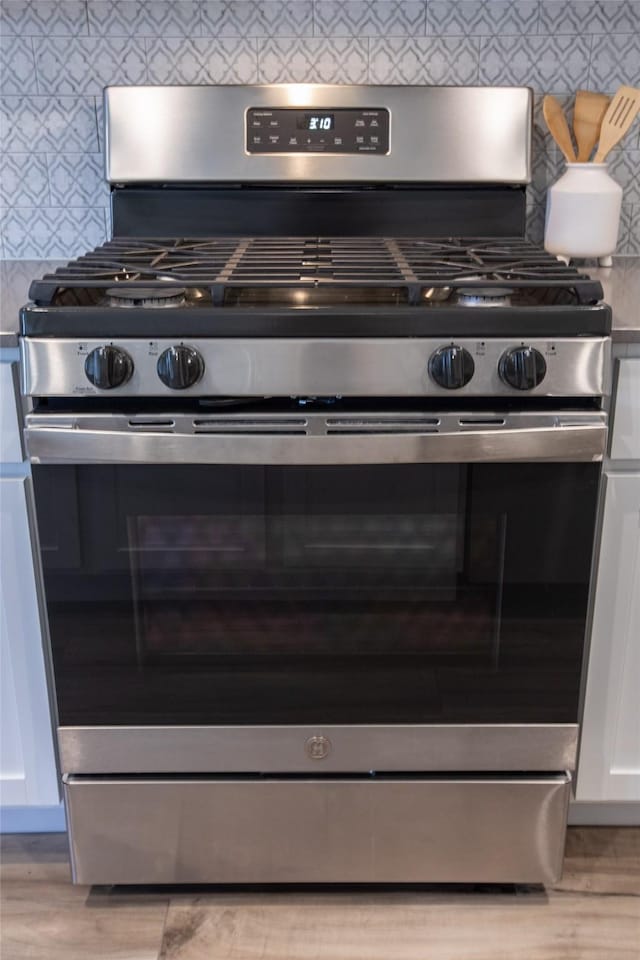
pixel 319 367
pixel 353 130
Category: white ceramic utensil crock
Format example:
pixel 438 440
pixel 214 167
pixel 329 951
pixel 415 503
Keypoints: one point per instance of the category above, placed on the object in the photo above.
pixel 583 213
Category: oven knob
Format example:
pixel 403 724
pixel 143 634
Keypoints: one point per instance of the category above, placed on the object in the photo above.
pixel 451 367
pixel 180 367
pixel 108 367
pixel 522 367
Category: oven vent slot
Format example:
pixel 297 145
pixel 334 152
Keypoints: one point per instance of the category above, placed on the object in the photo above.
pixel 364 425
pixel 150 423
pixel 249 426
pixel 482 421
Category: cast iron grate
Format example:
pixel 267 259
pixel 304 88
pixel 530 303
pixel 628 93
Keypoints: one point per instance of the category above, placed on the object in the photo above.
pixel 219 265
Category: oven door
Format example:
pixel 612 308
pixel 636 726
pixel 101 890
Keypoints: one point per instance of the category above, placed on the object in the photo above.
pixel 268 614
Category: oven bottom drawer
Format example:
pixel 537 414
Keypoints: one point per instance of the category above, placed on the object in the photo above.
pixel 380 830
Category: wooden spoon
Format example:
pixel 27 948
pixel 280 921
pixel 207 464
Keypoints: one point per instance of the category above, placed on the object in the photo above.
pixel 558 126
pixel 588 112
pixel 622 111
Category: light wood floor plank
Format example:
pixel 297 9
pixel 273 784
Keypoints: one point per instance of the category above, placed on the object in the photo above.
pixel 562 927
pixel 592 914
pixel 44 917
pixel 602 860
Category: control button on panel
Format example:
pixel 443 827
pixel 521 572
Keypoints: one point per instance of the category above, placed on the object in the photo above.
pixel 522 368
pixel 451 367
pixel 180 367
pixel 108 367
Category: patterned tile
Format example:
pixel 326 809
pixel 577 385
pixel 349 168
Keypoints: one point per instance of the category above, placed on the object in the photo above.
pixel 534 229
pixel 31 233
pixel 629 235
pixel 547 64
pixel 202 61
pixel 17 67
pixel 257 18
pixel 587 16
pixel 633 236
pixel 624 166
pixel 373 18
pixel 99 107
pixel 442 60
pixel 86 66
pixel 547 167
pixel 42 18
pixel 23 180
pixel 77 180
pixel 615 59
pixel 340 60
pixel 154 18
pixel 490 17
pixel 39 124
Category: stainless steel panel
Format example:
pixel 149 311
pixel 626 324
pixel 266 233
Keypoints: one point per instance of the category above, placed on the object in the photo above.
pixel 182 133
pixel 285 749
pixel 445 830
pixel 379 367
pixel 52 442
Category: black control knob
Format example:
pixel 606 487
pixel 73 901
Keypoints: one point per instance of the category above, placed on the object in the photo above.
pixel 451 367
pixel 522 367
pixel 180 367
pixel 108 367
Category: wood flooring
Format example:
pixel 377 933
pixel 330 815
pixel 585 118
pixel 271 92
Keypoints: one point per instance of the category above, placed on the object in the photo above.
pixel 592 914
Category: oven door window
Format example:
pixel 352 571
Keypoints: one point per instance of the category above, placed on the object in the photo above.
pixel 422 593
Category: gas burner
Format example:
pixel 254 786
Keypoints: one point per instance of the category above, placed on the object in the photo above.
pixel 145 297
pixel 485 297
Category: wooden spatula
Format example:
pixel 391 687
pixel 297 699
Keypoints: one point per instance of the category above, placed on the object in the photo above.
pixel 588 112
pixel 558 126
pixel 620 114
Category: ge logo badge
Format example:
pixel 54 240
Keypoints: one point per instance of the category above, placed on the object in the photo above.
pixel 318 747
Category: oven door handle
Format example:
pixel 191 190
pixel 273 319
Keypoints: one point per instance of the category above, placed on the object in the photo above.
pixel 70 443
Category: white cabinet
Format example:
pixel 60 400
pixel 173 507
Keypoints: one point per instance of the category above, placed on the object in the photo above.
pixel 10 448
pixel 625 444
pixel 609 766
pixel 29 793
pixel 28 774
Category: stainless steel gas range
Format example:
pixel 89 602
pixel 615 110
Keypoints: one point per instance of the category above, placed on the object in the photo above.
pixel 315 442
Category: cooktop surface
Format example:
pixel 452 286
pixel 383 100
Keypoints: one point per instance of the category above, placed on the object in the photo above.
pixel 301 271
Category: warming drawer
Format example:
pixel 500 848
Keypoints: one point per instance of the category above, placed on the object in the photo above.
pixel 360 830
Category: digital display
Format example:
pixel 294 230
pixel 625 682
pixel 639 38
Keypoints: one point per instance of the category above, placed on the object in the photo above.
pixel 317 130
pixel 316 121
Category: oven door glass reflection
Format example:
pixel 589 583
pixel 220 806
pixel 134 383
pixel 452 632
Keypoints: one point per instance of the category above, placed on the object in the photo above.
pixel 421 593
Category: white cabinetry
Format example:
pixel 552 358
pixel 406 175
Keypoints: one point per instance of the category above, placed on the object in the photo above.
pixel 610 749
pixel 609 765
pixel 10 447
pixel 625 444
pixel 27 765
pixel 28 776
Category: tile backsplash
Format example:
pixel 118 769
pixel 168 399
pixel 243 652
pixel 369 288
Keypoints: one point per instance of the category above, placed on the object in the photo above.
pixel 57 55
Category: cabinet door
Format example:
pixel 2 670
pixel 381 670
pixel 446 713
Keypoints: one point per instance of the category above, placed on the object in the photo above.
pixel 10 446
pixel 609 767
pixel 28 774
pixel 625 444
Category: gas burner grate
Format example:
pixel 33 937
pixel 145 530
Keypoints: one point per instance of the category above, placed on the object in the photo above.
pixel 223 264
